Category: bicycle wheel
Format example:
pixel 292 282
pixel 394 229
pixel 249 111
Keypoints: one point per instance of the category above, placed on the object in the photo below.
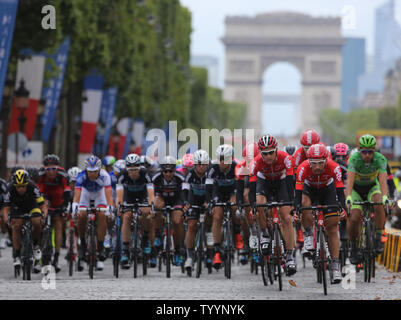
pixel 263 268
pixel 92 250
pixel 117 253
pixel 368 253
pixel 71 253
pixel 168 250
pixel 278 257
pixel 145 260
pixel 135 249
pixel 199 250
pixel 322 260
pixel 47 247
pixel 227 251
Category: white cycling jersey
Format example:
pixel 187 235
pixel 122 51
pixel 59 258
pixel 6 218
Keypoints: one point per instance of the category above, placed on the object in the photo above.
pixel 93 190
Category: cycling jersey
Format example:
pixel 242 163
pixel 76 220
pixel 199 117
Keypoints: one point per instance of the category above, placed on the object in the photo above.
pixel 171 191
pixel 366 173
pixel 331 174
pixel 280 169
pixel 113 180
pixel 83 181
pixel 93 190
pixel 29 202
pixel 3 192
pixel 220 185
pixel 298 157
pixel 134 190
pixel 56 190
pixel 194 189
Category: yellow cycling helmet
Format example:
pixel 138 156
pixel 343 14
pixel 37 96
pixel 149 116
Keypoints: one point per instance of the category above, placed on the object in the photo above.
pixel 20 178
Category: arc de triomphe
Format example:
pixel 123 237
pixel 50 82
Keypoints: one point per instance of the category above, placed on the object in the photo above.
pixel 312 44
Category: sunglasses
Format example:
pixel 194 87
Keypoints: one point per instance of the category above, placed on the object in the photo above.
pixel 51 169
pixel 20 186
pixel 268 153
pixel 367 152
pixel 317 163
pixel 168 171
pixel 133 168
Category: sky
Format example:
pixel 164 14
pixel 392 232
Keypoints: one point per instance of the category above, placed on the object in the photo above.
pixel 208 28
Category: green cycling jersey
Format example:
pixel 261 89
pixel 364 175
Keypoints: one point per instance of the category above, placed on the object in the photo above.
pixel 366 173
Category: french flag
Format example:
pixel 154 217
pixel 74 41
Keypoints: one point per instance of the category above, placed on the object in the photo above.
pixel 31 71
pixel 93 92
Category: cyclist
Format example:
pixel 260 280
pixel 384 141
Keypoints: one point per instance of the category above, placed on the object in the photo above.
pixel 118 167
pixel 221 187
pixel 134 185
pixel 249 152
pixel 271 177
pixel 53 184
pixel 194 190
pixel 93 183
pixel 3 233
pixel 168 191
pixel 367 180
pixel 23 197
pixel 319 180
pixel 33 174
pixel 187 164
pixel 308 138
pixel 290 150
pixel 73 174
pixel 108 163
pixel 149 164
pixel 341 157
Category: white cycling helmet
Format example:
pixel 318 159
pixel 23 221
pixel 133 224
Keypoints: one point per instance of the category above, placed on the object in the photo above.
pixel 132 160
pixel 168 162
pixel 93 163
pixel 119 166
pixel 73 173
pixel 225 150
pixel 201 157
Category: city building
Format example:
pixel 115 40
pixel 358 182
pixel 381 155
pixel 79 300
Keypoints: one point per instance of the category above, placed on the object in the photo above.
pixel 354 62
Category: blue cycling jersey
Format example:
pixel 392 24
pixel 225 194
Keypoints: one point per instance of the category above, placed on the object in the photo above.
pixel 83 181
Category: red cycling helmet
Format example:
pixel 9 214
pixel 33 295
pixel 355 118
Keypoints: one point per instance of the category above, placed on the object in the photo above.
pixel 309 137
pixel 267 142
pixel 341 149
pixel 317 151
pixel 248 150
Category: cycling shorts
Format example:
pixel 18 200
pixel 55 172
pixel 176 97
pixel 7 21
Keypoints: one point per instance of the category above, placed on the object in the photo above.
pixel 99 197
pixel 364 193
pixel 16 213
pixel 273 190
pixel 325 196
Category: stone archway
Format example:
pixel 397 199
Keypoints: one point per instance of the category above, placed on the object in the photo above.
pixel 312 44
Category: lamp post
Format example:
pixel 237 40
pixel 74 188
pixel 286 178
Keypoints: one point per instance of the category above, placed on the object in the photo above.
pixel 7 98
pixel 22 103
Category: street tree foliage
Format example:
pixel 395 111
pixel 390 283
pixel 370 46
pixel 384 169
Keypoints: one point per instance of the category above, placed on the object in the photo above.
pixel 142 47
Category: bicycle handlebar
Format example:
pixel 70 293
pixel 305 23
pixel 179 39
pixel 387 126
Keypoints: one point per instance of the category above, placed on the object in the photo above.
pixel 320 207
pixel 273 204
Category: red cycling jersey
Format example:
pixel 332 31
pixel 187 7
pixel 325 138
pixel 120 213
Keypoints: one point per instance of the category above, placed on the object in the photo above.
pixel 280 169
pixel 298 157
pixel 54 189
pixel 331 173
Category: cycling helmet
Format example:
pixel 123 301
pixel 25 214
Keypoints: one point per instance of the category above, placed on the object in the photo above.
pixel 332 151
pixel 249 148
pixel 93 163
pixel 33 173
pixel 51 159
pixel 367 141
pixel 188 161
pixel 132 160
pixel 108 161
pixel 201 157
pixel 290 150
pixel 147 161
pixel 267 142
pixel 341 149
pixel 15 169
pixel 309 137
pixel 225 150
pixel 168 162
pixel 317 151
pixel 20 178
pixel 119 166
pixel 73 173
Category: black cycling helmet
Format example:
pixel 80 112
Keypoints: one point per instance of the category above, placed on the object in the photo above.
pixel 290 150
pixel 20 178
pixel 51 159
pixel 33 173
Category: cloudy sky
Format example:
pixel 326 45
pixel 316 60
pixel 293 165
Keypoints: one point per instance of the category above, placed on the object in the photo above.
pixel 208 28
